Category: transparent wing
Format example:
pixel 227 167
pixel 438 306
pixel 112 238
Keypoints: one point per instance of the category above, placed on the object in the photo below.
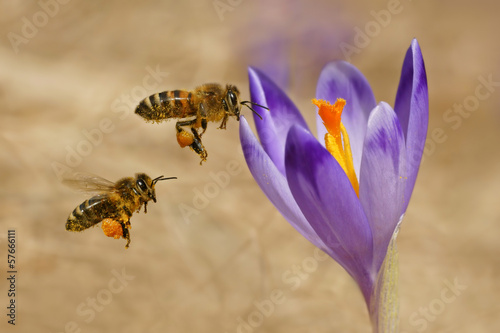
pixel 88 183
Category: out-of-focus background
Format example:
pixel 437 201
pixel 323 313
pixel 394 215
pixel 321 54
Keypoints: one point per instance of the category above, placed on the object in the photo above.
pixel 213 252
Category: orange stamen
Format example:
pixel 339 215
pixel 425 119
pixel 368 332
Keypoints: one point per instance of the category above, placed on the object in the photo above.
pixel 337 139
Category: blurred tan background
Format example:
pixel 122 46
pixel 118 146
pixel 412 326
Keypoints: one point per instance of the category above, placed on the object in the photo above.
pixel 70 68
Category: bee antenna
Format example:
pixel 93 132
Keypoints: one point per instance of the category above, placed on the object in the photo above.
pixel 157 179
pixel 246 103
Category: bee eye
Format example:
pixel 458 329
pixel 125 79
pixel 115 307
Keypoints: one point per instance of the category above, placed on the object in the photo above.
pixel 232 98
pixel 141 185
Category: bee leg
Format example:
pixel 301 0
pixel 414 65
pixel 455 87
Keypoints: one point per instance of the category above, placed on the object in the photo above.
pixel 198 147
pixel 224 121
pixel 145 207
pixel 184 138
pixel 203 114
pixel 203 125
pixel 193 139
pixel 126 232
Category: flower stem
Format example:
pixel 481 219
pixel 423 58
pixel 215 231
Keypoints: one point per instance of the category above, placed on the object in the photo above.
pixel 385 302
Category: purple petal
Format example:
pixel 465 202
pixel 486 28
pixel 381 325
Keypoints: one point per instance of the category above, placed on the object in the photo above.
pixel 274 184
pixel 276 122
pixel 382 179
pixel 328 201
pixel 412 108
pixel 340 79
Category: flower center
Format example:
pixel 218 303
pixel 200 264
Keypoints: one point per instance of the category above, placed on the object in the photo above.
pixel 337 139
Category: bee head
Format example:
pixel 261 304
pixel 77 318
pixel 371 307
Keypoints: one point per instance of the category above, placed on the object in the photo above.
pixel 231 101
pixel 145 186
pixel 232 104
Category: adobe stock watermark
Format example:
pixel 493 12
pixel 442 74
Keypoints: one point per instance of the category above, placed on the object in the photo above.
pixel 372 29
pixel 87 310
pixel 121 107
pixel 455 115
pixel 203 195
pixel 223 6
pixel 293 279
pixel 421 318
pixel 31 26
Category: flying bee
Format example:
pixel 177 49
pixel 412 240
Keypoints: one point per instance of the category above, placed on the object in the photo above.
pixel 113 204
pixel 208 102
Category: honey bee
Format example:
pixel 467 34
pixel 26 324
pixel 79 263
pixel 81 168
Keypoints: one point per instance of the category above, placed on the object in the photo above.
pixel 113 204
pixel 208 102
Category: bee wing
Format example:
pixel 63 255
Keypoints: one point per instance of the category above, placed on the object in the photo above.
pixel 88 183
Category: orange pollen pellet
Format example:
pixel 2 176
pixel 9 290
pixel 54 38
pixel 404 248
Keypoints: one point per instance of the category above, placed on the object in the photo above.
pixel 185 139
pixel 112 228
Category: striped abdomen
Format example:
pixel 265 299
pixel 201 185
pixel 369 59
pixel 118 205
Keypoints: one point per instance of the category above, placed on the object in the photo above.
pixel 167 104
pixel 90 212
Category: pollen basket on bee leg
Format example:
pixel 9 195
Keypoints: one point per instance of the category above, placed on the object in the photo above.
pixel 112 228
pixel 185 138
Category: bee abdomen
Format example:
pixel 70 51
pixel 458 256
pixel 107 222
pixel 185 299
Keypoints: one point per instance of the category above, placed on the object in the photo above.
pixel 85 215
pixel 165 105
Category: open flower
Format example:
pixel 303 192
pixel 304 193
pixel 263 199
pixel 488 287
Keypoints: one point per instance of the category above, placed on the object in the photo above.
pixel 347 196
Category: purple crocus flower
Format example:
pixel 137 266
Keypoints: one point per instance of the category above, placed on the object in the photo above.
pixel 313 190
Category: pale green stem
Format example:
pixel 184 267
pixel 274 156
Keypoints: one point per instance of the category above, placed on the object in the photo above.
pixel 385 301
